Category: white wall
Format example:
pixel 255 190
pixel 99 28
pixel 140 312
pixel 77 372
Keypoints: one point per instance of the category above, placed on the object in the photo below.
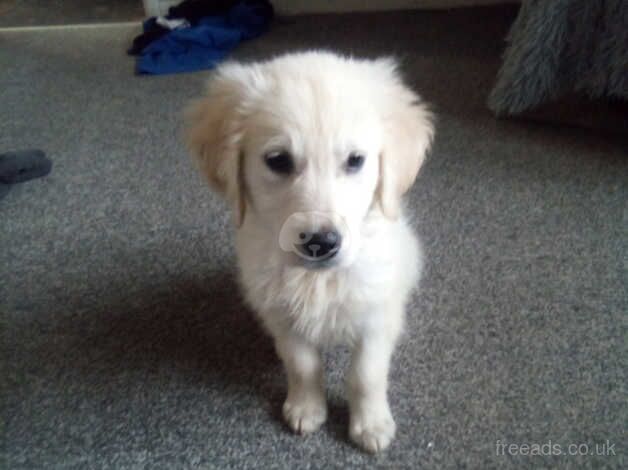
pixel 294 7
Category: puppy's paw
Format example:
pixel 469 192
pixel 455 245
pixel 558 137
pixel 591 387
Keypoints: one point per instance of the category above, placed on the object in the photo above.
pixel 305 415
pixel 373 432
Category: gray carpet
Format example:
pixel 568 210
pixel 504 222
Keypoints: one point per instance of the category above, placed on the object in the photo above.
pixel 126 345
pixel 59 12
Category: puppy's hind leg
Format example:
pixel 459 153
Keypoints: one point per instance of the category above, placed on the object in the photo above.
pixel 305 408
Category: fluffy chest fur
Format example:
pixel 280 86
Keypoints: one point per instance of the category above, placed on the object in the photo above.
pixel 334 305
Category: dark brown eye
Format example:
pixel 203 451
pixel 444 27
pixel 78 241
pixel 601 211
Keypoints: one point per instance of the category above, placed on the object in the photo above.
pixel 355 162
pixel 279 162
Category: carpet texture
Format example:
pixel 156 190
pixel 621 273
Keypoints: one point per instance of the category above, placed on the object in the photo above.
pixel 60 12
pixel 126 345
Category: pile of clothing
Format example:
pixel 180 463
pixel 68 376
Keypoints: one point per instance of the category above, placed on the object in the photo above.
pixel 197 34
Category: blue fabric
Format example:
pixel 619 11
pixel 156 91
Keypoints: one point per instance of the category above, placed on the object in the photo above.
pixel 206 43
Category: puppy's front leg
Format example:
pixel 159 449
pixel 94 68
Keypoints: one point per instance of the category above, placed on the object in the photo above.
pixel 304 409
pixel 371 424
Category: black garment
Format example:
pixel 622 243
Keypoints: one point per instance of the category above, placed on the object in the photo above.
pixel 152 32
pixel 23 165
pixel 20 166
pixel 194 10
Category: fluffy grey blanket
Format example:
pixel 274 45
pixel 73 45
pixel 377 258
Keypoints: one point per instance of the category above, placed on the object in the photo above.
pixel 561 46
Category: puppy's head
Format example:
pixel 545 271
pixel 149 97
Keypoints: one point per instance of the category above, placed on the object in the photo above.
pixel 306 146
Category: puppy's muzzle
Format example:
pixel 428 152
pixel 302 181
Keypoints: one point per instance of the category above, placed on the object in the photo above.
pixel 315 239
pixel 319 246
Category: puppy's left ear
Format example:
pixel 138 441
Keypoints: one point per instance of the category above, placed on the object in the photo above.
pixel 408 134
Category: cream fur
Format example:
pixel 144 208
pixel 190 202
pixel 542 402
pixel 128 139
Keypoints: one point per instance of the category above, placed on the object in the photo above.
pixel 320 107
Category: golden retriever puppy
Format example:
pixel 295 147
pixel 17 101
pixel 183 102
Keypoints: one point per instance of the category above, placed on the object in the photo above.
pixel 314 152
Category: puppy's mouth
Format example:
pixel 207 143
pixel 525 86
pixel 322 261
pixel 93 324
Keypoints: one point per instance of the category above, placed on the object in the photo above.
pixel 316 262
pixel 317 265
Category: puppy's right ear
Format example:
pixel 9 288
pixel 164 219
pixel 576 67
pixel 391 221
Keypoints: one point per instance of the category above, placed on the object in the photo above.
pixel 214 132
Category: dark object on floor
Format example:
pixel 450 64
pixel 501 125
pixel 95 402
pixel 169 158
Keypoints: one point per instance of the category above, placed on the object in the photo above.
pixel 206 42
pixel 564 46
pixel 152 32
pixel 22 165
pixel 194 10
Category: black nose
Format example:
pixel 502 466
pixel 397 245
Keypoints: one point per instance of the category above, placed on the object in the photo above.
pixel 320 245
